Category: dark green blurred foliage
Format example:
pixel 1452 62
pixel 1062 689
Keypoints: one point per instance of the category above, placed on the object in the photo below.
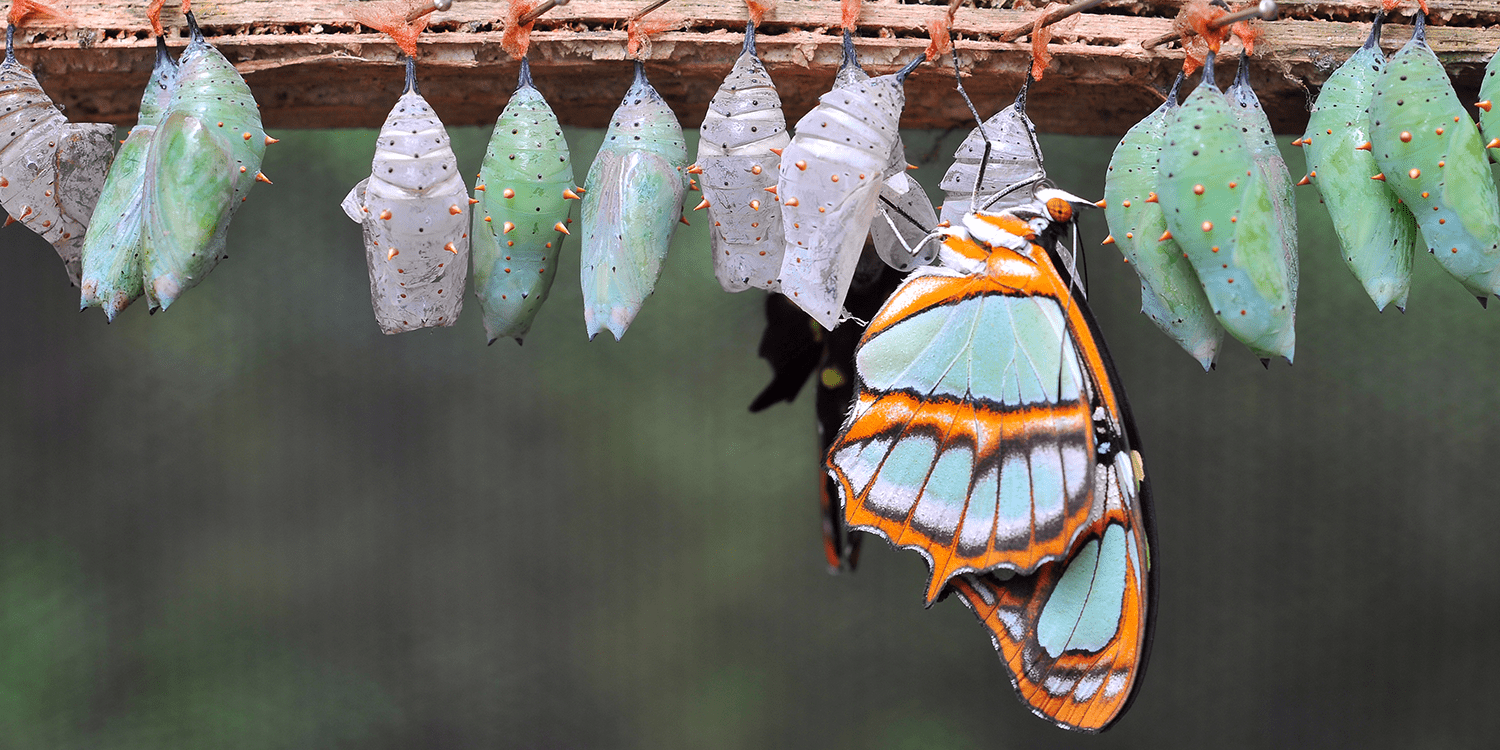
pixel 253 521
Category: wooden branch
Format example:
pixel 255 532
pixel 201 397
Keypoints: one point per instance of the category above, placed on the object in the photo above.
pixel 312 66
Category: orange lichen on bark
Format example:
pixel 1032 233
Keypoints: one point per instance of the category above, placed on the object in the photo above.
pixel 1247 32
pixel 941 43
pixel 517 37
pixel 758 9
pixel 639 30
pixel 1041 57
pixel 1197 38
pixel 389 18
pixel 849 14
pixel 153 14
pixel 24 11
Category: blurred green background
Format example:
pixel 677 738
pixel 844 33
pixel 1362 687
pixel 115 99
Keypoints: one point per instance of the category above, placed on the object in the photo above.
pixel 256 522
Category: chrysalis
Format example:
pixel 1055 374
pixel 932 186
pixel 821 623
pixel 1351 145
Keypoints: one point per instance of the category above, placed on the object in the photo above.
pixel 743 125
pixel 1489 119
pixel 51 170
pixel 631 208
pixel 1014 158
pixel 904 216
pixel 1377 232
pixel 1170 293
pixel 415 211
pixel 112 247
pixel 1430 153
pixel 1219 208
pixel 829 186
pixel 204 158
pixel 525 187
pixel 1256 128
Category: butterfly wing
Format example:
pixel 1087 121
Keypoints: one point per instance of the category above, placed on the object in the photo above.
pixel 984 423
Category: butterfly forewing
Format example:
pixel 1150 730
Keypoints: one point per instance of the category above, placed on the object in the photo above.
pixel 981 428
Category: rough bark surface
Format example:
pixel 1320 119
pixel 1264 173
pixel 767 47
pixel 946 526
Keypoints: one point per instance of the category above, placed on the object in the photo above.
pixel 312 66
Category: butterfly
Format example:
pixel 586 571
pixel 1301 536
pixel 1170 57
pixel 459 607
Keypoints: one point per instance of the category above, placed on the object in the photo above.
pixel 798 349
pixel 991 434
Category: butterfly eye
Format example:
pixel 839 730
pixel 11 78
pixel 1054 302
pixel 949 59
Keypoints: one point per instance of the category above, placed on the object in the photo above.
pixel 1060 209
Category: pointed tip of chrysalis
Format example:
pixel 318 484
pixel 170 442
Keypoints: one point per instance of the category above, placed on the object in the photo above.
pixel 1208 72
pixel 523 78
pixel 1373 42
pixel 492 341
pixel 1265 362
pixel 1484 302
pixel 749 48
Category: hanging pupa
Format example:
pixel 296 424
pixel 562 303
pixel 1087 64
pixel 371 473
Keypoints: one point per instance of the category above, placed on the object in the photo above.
pixel 204 158
pixel 631 208
pixel 1219 208
pixel 1014 158
pixel 1378 234
pixel 112 248
pixel 739 158
pixel 1170 293
pixel 1489 119
pixel 51 170
pixel 1431 154
pixel 830 183
pixel 414 208
pixel 524 195
pixel 1255 126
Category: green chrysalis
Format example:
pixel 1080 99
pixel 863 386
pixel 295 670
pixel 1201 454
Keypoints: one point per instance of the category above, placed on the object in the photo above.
pixel 631 208
pixel 1489 119
pixel 203 160
pixel 518 232
pixel 1377 232
pixel 112 247
pixel 1219 208
pixel 1170 293
pixel 1430 153
pixel 1256 127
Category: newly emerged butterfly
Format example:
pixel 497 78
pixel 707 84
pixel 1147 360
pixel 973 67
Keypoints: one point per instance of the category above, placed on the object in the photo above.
pixel 1219 208
pixel 414 208
pixel 112 246
pixel 990 433
pixel 830 182
pixel 1256 128
pixel 1378 234
pixel 1170 293
pixel 631 208
pixel 1006 151
pixel 798 349
pixel 739 158
pixel 1430 153
pixel 204 158
pixel 524 192
pixel 51 170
